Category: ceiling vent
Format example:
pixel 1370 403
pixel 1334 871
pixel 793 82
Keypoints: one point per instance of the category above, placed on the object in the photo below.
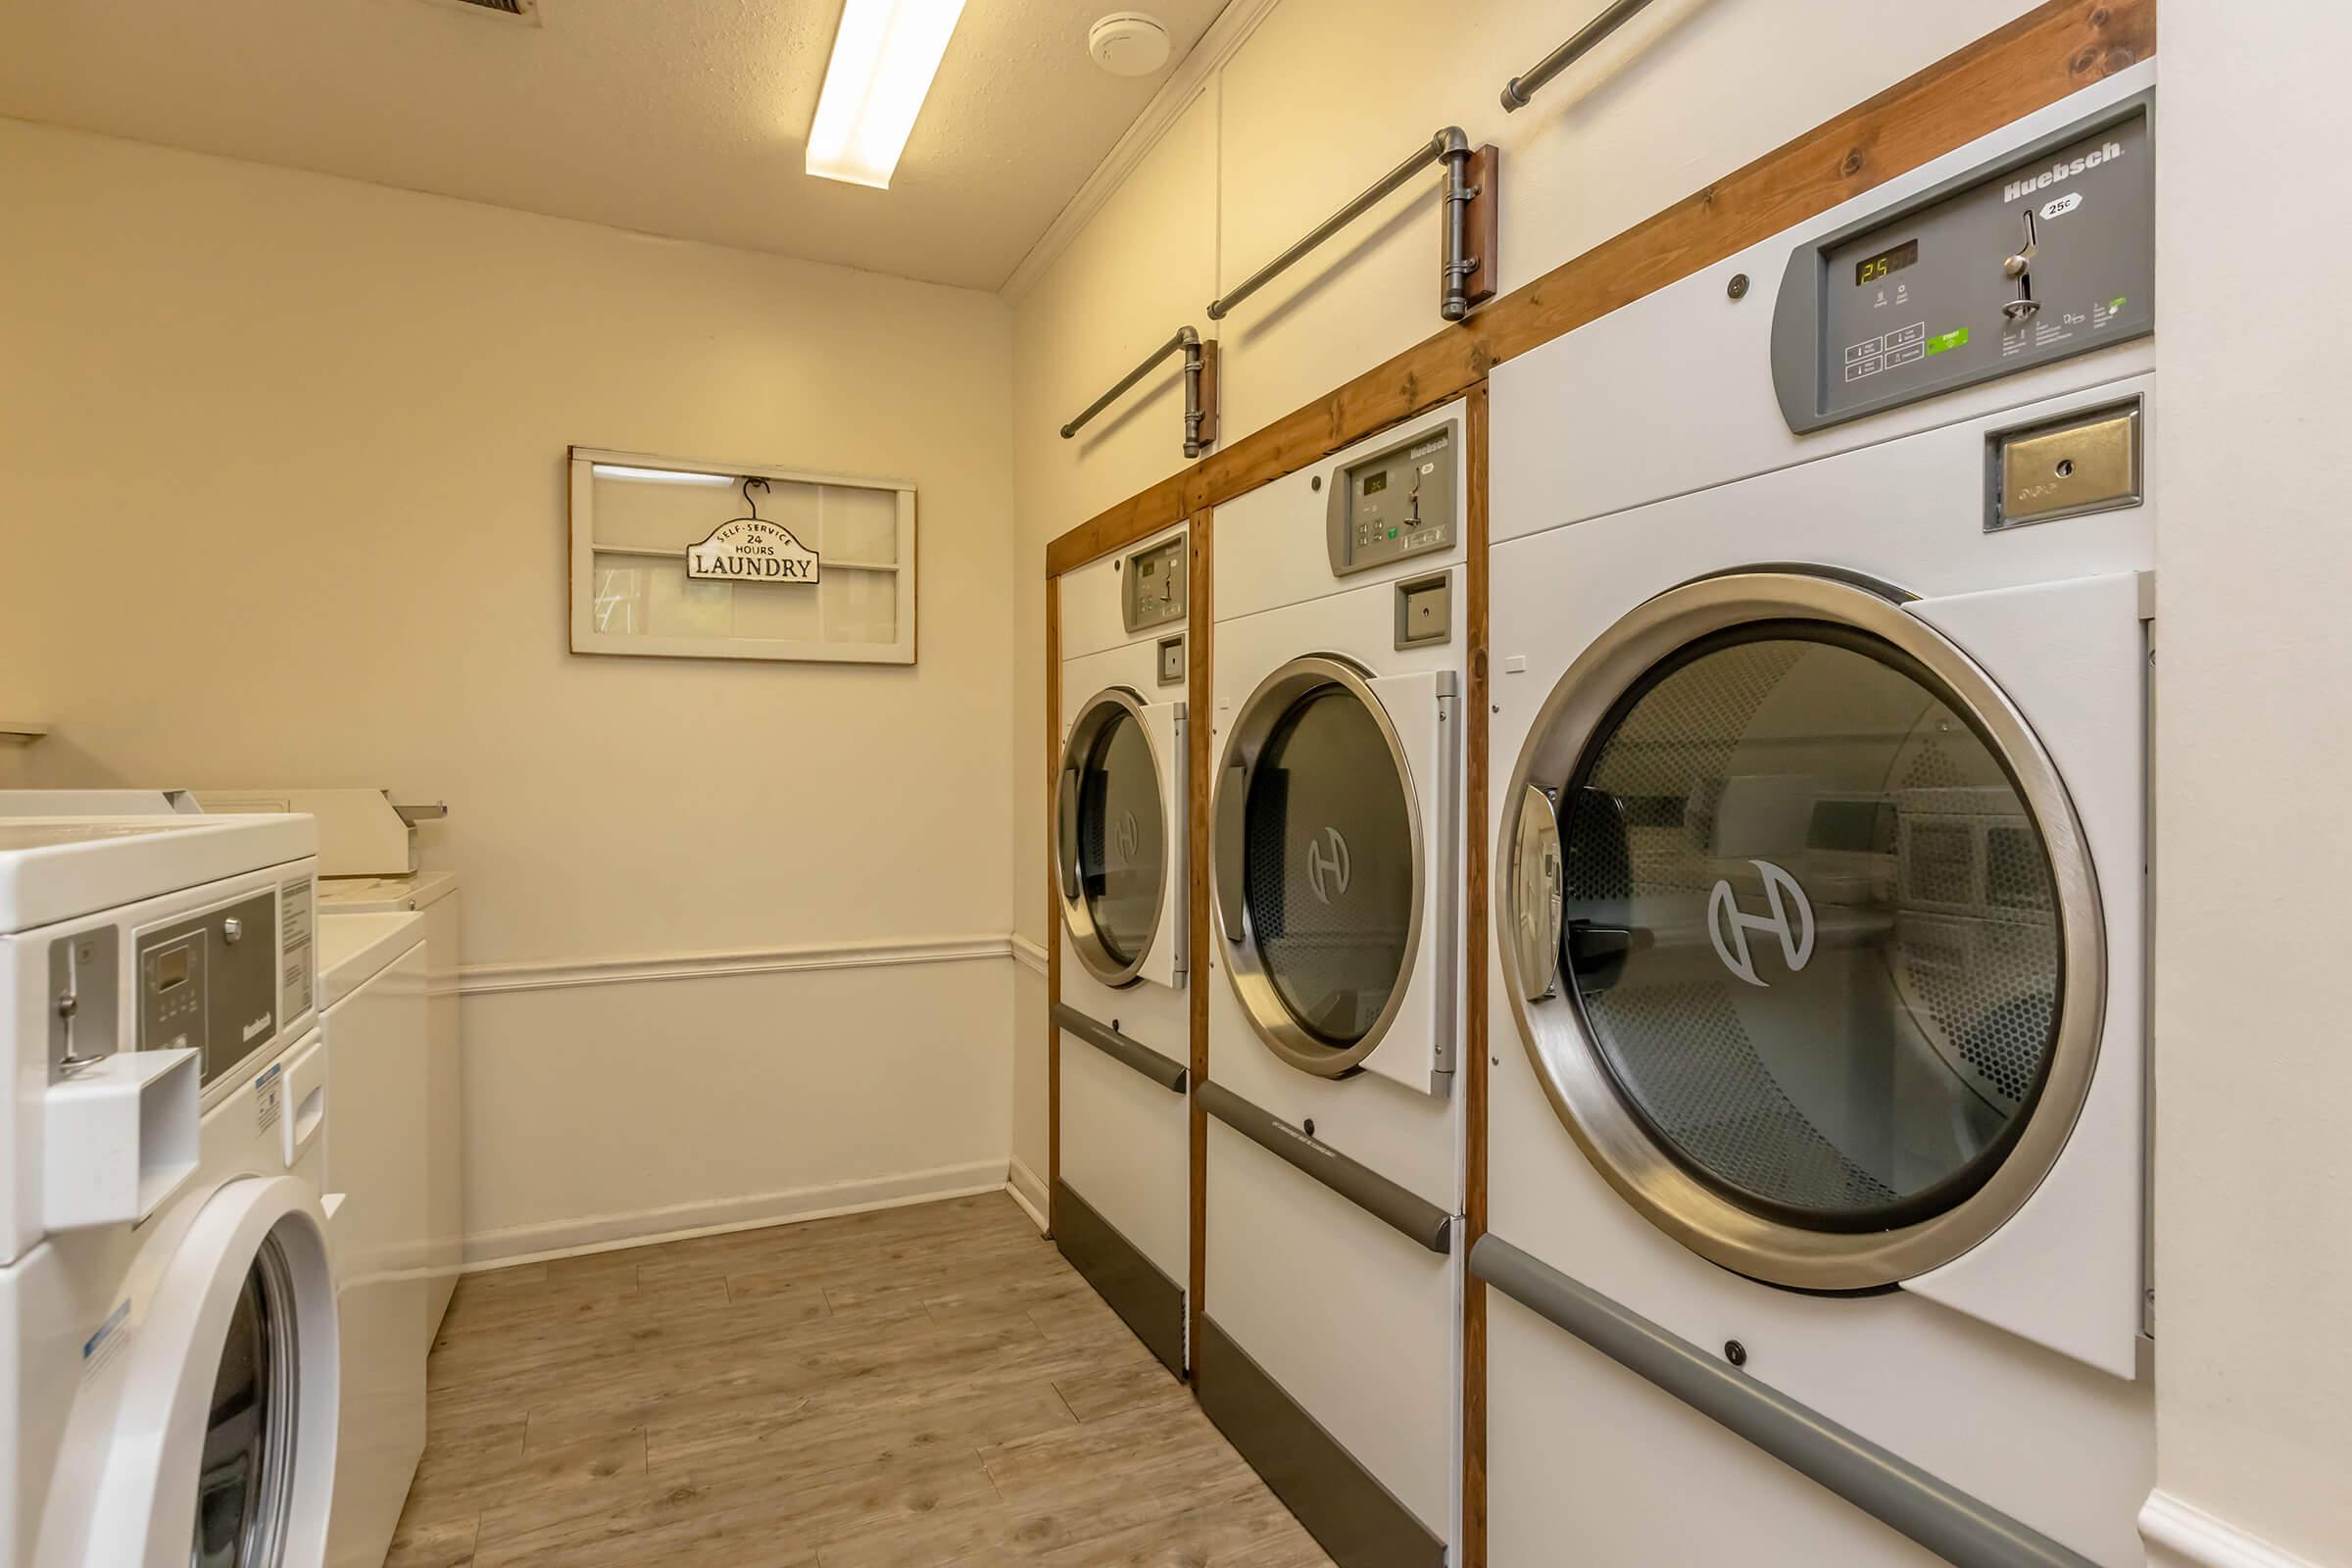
pixel 519 10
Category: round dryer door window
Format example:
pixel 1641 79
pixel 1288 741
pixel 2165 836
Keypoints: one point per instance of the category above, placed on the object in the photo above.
pixel 1319 866
pixel 1115 849
pixel 1816 888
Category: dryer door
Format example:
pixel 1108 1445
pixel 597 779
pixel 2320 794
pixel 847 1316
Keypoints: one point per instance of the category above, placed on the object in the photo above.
pixel 1121 829
pixel 1332 822
pixel 222 1450
pixel 1830 963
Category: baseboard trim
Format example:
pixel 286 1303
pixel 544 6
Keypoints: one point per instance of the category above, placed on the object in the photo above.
pixel 606 1233
pixel 2198 1538
pixel 1342 1504
pixel 1147 1302
pixel 1029 1190
pixel 489 979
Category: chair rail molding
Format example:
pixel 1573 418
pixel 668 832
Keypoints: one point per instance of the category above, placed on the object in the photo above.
pixel 2186 1536
pixel 552 974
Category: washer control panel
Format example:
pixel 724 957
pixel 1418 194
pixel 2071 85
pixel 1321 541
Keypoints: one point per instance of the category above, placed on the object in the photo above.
pixel 2048 253
pixel 1396 503
pixel 210 982
pixel 1152 593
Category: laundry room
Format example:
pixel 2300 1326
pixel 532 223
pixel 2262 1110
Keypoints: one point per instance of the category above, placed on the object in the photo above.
pixel 1259 782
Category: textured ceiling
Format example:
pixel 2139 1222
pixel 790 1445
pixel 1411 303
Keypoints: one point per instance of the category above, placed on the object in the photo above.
pixel 682 118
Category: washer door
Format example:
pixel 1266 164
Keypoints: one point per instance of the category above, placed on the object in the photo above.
pixel 1830 971
pixel 1119 855
pixel 223 1453
pixel 1321 862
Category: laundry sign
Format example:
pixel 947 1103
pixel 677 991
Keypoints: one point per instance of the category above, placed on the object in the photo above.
pixel 751 550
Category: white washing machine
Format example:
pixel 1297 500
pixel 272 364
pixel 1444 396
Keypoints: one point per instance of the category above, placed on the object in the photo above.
pixel 1122 1204
pixel 1822 627
pixel 1330 1349
pixel 368 865
pixel 171 1380
pixel 374 1020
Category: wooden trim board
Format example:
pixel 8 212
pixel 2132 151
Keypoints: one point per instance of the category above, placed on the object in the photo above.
pixel 1199 743
pixel 1477 927
pixel 2035 61
pixel 1053 896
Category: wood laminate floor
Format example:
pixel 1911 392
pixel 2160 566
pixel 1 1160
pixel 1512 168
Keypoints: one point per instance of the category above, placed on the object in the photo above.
pixel 930 1385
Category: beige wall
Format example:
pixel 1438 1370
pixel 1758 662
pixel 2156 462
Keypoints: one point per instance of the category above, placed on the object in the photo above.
pixel 1321 99
pixel 282 501
pixel 2253 1166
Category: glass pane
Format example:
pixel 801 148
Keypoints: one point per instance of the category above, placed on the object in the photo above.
pixel 1329 875
pixel 231 1502
pixel 1811 926
pixel 859 525
pixel 861 607
pixel 1122 843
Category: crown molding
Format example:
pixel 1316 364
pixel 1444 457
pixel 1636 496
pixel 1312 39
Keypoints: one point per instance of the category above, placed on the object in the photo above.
pixel 1219 43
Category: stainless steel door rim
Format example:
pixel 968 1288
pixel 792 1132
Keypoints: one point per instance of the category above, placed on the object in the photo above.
pixel 1567 1059
pixel 1103 710
pixel 1261 719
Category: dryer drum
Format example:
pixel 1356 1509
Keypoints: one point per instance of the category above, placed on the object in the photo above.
pixel 1114 854
pixel 1319 866
pixel 1828 976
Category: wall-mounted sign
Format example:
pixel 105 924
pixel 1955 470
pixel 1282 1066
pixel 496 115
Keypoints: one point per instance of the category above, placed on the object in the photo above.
pixel 751 550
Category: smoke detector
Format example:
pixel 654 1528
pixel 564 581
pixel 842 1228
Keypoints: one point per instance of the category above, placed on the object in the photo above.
pixel 1128 43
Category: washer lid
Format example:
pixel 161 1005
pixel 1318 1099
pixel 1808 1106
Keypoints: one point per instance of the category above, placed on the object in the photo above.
pixel 54 868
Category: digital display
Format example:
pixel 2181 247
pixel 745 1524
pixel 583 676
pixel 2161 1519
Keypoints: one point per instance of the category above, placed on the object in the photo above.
pixel 1375 483
pixel 1869 268
pixel 170 968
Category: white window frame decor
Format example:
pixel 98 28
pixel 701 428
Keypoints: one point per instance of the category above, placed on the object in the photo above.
pixel 587 638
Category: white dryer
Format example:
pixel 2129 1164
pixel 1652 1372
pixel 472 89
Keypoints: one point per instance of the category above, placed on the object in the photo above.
pixel 1330 1351
pixel 1817 1129
pixel 1121 1205
pixel 172 1376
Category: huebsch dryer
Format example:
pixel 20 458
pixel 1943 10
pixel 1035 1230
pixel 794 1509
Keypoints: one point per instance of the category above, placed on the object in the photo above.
pixel 1330 1348
pixel 1817 1155
pixel 1122 1204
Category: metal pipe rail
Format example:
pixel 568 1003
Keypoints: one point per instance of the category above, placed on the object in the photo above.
pixel 1948 1522
pixel 1421 1221
pixel 1187 339
pixel 1449 146
pixel 1519 91
pixel 1127 1052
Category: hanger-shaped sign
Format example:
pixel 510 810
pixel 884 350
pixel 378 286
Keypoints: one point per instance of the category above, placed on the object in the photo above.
pixel 752 548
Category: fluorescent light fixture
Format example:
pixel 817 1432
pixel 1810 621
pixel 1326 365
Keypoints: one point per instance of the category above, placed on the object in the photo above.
pixel 884 58
pixel 621 470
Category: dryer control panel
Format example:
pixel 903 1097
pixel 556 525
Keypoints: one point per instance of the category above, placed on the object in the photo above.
pixel 1151 592
pixel 1395 503
pixel 2047 254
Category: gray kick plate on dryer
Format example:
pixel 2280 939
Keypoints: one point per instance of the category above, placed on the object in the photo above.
pixel 1146 1300
pixel 1349 1512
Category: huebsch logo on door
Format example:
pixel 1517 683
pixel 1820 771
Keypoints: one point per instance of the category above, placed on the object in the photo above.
pixel 1126 836
pixel 1790 920
pixel 1326 864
